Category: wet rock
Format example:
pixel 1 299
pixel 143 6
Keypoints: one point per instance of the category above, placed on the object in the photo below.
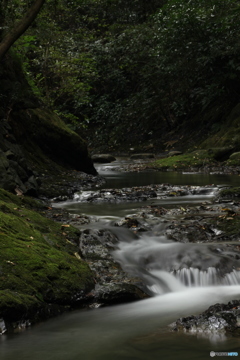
pixel 133 224
pixel 103 158
pixel 3 327
pixel 63 185
pixel 113 285
pixel 218 318
pixel 95 244
pixel 117 195
pixel 111 293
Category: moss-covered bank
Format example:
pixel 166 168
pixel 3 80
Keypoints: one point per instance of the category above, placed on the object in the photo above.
pixel 40 267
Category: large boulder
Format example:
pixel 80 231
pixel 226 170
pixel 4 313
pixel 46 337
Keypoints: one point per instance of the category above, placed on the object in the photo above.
pixel 42 134
pixel 235 156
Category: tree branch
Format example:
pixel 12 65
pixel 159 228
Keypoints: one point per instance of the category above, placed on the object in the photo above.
pixel 10 38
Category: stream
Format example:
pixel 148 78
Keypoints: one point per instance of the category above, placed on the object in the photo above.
pixel 140 330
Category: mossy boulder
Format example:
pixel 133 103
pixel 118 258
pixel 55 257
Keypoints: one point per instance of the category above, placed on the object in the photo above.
pixel 235 156
pixel 42 134
pixel 228 134
pixel 39 261
pixel 231 193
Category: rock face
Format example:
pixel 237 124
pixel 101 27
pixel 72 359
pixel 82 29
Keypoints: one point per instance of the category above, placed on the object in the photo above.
pixel 15 174
pixel 32 138
pixel 41 132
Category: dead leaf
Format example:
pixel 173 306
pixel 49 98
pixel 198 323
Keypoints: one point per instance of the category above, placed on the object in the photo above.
pixel 77 256
pixel 18 191
pixel 10 262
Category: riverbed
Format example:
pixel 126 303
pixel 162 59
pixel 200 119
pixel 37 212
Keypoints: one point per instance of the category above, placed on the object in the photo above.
pixel 139 330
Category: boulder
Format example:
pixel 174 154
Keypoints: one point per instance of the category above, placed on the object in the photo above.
pixel 113 285
pixel 221 153
pixel 235 156
pixel 219 318
pixel 174 153
pixel 43 135
pixel 103 158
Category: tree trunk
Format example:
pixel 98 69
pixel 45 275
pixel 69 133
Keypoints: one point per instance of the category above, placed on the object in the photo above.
pixel 10 38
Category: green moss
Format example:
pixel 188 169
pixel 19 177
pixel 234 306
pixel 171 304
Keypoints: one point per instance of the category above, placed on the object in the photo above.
pixel 14 304
pixel 233 162
pixel 229 133
pixel 196 159
pixel 37 257
pixel 230 225
pixel 230 193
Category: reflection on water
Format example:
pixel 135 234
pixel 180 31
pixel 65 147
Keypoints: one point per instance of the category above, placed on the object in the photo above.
pixel 116 179
pixel 123 209
pixel 174 178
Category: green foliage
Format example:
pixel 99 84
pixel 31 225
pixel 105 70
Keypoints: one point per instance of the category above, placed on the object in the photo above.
pixel 126 65
pixel 197 50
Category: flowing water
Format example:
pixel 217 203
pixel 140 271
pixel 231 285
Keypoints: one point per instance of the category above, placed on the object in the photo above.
pixel 140 330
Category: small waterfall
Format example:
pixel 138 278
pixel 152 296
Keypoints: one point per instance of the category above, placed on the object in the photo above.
pixel 195 277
